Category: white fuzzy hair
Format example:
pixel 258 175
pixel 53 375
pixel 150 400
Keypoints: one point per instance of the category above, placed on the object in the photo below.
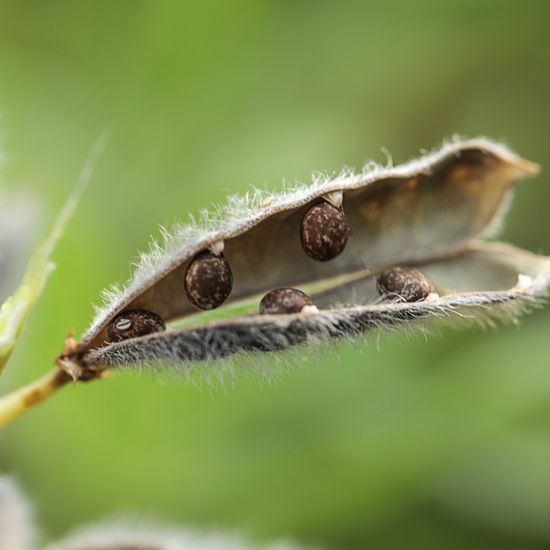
pixel 139 536
pixel 16 532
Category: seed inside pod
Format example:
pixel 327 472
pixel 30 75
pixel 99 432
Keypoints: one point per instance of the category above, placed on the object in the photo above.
pixel 133 323
pixel 208 280
pixel 405 283
pixel 324 231
pixel 284 300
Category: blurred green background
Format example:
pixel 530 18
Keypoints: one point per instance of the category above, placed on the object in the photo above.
pixel 437 443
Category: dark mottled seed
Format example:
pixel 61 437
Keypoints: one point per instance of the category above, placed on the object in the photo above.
pixel 208 280
pixel 133 323
pixel 405 283
pixel 284 300
pixel 324 231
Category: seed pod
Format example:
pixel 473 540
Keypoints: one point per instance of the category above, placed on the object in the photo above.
pixel 137 322
pixel 284 300
pixel 324 231
pixel 430 212
pixel 404 283
pixel 208 280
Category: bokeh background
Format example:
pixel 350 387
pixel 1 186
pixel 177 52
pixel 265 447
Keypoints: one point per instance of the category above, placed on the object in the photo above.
pixel 437 443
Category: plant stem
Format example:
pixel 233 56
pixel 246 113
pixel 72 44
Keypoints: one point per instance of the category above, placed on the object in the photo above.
pixel 16 403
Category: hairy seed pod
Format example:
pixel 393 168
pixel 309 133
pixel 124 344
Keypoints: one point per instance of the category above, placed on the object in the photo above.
pixel 284 300
pixel 443 202
pixel 208 280
pixel 133 323
pixel 324 231
pixel 405 283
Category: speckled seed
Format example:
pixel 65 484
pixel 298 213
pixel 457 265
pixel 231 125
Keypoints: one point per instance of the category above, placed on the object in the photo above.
pixel 284 300
pixel 208 280
pixel 405 283
pixel 324 231
pixel 133 323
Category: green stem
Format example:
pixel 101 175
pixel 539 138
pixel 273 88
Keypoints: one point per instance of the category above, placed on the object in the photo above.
pixel 16 403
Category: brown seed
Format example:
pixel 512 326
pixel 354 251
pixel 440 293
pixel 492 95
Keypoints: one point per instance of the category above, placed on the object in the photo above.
pixel 208 280
pixel 133 323
pixel 324 231
pixel 404 283
pixel 284 300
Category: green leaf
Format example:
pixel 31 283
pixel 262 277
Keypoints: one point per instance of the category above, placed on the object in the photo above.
pixel 16 308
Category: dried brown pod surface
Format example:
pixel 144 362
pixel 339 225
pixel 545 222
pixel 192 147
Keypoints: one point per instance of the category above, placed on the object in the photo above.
pixel 324 231
pixel 208 280
pixel 425 213
pixel 404 283
pixel 284 300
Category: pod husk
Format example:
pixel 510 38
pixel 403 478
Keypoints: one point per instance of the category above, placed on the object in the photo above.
pixel 429 213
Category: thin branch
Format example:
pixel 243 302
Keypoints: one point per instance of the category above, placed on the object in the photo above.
pixel 16 403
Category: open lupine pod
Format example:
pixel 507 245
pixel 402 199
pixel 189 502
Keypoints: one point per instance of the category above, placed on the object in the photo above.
pixel 332 240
